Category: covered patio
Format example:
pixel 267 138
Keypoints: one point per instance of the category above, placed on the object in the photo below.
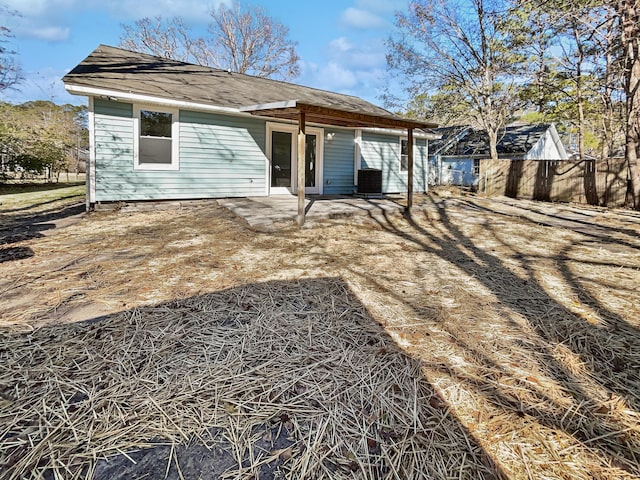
pixel 306 112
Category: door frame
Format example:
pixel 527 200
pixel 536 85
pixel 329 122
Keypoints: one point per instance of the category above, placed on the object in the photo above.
pixel 293 129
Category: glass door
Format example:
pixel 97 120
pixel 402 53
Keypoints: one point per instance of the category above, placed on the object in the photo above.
pixel 310 180
pixel 281 155
pixel 283 164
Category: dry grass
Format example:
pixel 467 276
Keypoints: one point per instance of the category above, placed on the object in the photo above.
pixel 524 318
pixel 304 355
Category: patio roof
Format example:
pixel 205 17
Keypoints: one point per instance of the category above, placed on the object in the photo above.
pixel 331 115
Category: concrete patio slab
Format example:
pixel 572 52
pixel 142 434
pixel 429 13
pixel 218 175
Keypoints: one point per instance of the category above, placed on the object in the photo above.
pixel 279 211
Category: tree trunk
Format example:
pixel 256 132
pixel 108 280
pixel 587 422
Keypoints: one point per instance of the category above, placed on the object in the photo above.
pixel 629 13
pixel 609 80
pixel 493 143
pixel 579 92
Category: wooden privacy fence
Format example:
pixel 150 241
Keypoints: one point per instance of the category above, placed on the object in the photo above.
pixel 595 182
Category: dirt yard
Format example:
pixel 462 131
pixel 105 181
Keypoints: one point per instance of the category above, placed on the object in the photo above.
pixel 478 339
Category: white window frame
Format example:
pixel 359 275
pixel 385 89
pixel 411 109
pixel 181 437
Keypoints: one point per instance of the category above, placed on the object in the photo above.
pixel 475 168
pixel 293 129
pixel 400 140
pixel 175 138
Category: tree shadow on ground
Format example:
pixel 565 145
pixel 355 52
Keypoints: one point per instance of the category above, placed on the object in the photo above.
pixel 593 363
pixel 17 228
pixel 16 213
pixel 12 254
pixel 12 188
pixel 282 378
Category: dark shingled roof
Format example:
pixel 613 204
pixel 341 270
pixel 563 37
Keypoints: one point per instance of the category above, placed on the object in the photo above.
pixel 124 71
pixel 465 141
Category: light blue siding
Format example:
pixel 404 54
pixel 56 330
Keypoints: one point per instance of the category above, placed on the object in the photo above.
pixel 383 152
pixel 113 109
pixel 224 153
pixel 339 162
pixel 224 156
pixel 220 156
pixel 420 165
pixel 113 123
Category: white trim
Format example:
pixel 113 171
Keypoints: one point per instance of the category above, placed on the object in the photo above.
pixel 293 129
pixel 427 167
pixel 406 139
pixel 151 100
pixel 91 168
pixel 116 95
pixel 558 143
pixel 280 127
pixel 175 139
pixel 319 133
pixel 357 155
pixel 400 140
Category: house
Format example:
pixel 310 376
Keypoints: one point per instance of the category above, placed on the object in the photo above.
pixel 455 157
pixel 166 130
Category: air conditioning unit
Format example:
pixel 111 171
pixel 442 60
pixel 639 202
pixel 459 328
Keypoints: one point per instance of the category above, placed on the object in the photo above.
pixel 370 181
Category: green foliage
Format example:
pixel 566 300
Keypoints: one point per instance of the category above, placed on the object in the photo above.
pixel 574 75
pixel 485 62
pixel 40 136
pixel 445 107
pixel 462 56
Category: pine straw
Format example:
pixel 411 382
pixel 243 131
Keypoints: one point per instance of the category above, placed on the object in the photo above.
pixel 538 350
pixel 527 325
pixel 305 353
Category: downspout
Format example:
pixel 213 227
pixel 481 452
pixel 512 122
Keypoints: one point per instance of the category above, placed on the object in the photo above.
pixel 427 167
pixel 357 159
pixel 410 170
pixel 90 172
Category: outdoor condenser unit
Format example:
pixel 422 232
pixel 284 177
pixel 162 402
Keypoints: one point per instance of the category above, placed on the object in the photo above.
pixel 370 181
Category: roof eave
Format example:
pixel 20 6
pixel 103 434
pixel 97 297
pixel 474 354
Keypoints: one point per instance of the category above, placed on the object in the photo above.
pixel 291 109
pixel 117 95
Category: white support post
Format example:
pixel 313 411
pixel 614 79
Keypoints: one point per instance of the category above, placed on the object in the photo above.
pixel 301 167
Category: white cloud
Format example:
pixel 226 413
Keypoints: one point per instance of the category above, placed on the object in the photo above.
pixel 366 56
pixel 362 19
pixel 52 34
pixel 382 6
pixel 51 19
pixel 45 84
pixel 337 77
pixel 354 68
pixel 341 44
pixel 39 8
pixel 121 9
pixel 192 10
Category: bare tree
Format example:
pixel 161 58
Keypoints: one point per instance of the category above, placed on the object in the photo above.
pixel 244 40
pixel 247 40
pixel 165 38
pixel 460 47
pixel 629 13
pixel 10 70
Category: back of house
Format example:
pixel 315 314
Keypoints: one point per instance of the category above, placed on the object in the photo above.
pixel 167 130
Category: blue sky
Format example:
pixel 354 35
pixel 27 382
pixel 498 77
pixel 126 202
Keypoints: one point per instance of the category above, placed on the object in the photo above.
pixel 340 42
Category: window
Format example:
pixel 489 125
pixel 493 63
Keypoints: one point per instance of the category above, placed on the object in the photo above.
pixel 156 139
pixel 476 167
pixel 404 155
